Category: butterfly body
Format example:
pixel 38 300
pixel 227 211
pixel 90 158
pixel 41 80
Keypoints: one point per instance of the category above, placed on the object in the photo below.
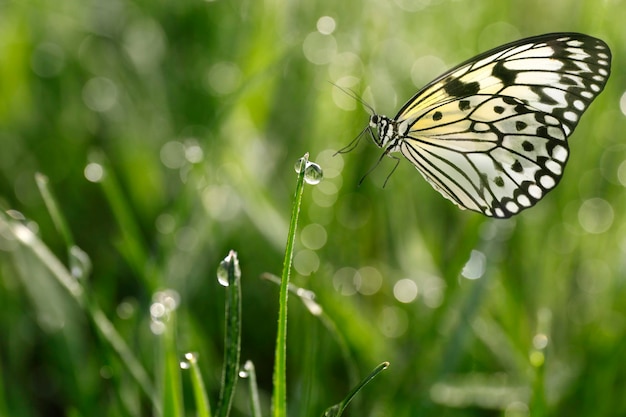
pixel 491 134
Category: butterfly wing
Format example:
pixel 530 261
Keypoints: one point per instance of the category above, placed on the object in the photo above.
pixel 491 133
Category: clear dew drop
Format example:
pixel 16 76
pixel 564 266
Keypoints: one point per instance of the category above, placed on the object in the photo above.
pixel 225 265
pixel 185 365
pixel 192 357
pixel 80 263
pixel 222 273
pixel 298 165
pixel 246 369
pixel 313 173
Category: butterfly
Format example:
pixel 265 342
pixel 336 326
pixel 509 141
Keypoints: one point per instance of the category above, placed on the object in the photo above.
pixel 491 133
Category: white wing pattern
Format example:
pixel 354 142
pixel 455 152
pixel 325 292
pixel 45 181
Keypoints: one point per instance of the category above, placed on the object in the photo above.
pixel 491 134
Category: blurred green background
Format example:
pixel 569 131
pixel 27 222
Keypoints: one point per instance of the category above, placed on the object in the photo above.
pixel 169 131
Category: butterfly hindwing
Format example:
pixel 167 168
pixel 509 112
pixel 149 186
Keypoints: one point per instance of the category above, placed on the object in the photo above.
pixel 491 133
pixel 497 167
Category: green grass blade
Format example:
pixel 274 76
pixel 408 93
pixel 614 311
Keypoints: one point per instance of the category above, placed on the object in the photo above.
pixel 132 246
pixel 42 253
pixel 229 275
pixel 255 403
pixel 279 397
pixel 203 408
pixel 308 299
pixel 51 204
pixel 79 262
pixel 338 409
pixel 171 394
pixel 113 338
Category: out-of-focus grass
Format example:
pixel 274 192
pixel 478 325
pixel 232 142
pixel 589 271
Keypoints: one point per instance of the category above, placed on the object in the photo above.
pixel 197 111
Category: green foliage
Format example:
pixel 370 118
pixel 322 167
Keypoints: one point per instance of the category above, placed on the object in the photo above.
pixel 168 132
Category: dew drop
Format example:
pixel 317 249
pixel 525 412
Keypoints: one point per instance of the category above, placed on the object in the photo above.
pixel 222 274
pixel 246 369
pixel 185 365
pixel 80 263
pixel 299 163
pixel 225 265
pixel 313 173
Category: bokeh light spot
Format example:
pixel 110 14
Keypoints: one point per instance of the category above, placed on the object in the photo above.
pixel 319 49
pixel 622 103
pixel 100 94
pixel 173 155
pixel 326 25
pixel 165 223
pixel 94 172
pixel 368 280
pixel 475 266
pixel 306 262
pixel 393 322
pixel 145 43
pixel 223 78
pixel 313 236
pixel 540 341
pixel 426 68
pixel 221 202
pixel 405 290
pixel 344 281
pixel 595 215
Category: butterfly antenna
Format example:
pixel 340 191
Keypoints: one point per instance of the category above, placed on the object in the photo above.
pixel 355 96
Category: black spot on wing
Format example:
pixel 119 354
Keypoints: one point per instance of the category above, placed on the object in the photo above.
pixel 528 147
pixel 457 88
pixel 505 75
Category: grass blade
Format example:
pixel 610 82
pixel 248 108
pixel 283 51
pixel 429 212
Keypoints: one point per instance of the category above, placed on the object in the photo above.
pixel 279 397
pixel 338 409
pixel 250 373
pixel 229 275
pixel 197 384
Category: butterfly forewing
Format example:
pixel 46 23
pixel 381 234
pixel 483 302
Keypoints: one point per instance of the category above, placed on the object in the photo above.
pixel 491 133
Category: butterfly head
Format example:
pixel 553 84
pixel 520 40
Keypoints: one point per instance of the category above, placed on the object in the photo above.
pixel 386 130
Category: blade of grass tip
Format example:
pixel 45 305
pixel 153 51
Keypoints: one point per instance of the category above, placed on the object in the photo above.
pixel 53 208
pixel 249 372
pixel 197 383
pixel 279 380
pixel 29 240
pixel 229 275
pixel 78 261
pixel 338 409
